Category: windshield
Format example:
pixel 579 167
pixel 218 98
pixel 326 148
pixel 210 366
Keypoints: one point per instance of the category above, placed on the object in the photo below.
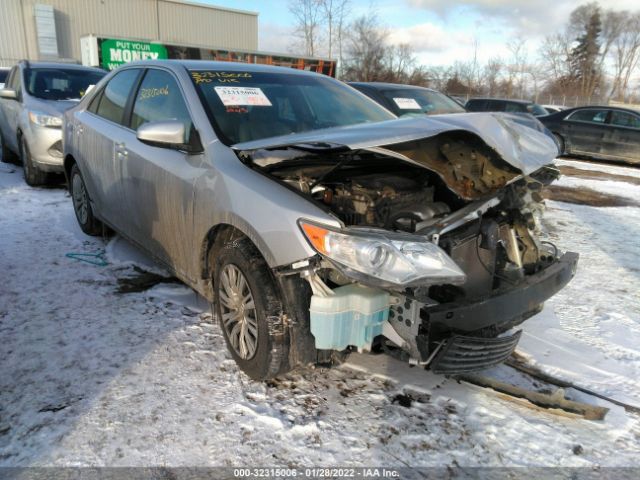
pixel 60 83
pixel 537 110
pixel 416 100
pixel 246 106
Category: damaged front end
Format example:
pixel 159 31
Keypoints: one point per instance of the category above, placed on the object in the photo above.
pixel 439 253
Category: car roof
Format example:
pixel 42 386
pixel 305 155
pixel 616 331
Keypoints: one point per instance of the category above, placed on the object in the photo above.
pixel 512 100
pixel 385 85
pixel 215 65
pixel 607 107
pixel 70 66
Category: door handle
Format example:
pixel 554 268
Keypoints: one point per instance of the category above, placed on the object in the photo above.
pixel 121 149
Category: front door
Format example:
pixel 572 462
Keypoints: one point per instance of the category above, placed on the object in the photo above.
pixel 586 130
pixel 159 181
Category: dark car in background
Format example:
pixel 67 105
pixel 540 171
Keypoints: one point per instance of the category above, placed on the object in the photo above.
pixel 505 105
pixel 408 99
pixel 605 133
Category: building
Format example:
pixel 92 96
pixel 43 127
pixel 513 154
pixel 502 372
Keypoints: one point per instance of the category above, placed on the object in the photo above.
pixel 77 30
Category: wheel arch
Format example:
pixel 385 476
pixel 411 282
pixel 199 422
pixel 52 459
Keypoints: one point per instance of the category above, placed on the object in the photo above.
pixel 68 163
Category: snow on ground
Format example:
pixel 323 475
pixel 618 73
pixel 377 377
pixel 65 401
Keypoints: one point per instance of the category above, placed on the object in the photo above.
pixel 92 377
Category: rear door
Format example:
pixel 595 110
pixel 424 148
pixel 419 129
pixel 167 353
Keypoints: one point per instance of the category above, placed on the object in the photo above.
pixel 585 130
pixel 159 181
pixel 624 134
pixel 11 110
pixel 99 132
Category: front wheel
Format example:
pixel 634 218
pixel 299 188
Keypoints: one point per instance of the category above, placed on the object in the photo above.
pixel 560 142
pixel 32 174
pixel 81 204
pixel 250 310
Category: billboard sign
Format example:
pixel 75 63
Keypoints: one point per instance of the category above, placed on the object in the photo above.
pixel 118 52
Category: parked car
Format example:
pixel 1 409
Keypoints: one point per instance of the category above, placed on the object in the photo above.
pixel 31 106
pixel 606 133
pixel 505 105
pixel 408 99
pixel 3 76
pixel 314 219
pixel 554 108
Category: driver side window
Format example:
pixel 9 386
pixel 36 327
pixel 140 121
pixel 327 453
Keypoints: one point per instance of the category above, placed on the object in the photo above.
pixel 160 99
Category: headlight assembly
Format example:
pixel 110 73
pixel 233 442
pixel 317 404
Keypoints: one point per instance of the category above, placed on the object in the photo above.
pixel 383 258
pixel 45 120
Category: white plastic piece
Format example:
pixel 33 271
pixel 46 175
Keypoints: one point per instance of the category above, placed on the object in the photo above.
pixel 352 316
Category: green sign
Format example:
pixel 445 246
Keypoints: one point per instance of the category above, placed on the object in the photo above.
pixel 117 52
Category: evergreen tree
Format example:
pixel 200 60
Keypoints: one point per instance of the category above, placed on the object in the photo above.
pixel 585 71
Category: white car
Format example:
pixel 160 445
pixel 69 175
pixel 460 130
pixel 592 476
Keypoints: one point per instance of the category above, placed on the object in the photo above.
pixel 554 108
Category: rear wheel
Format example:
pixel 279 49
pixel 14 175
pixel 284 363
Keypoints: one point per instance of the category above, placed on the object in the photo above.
pixel 81 204
pixel 32 174
pixel 249 307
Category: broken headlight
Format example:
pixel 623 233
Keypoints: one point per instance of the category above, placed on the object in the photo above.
pixel 386 259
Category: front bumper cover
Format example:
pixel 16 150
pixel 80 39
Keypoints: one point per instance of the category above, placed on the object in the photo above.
pixel 506 308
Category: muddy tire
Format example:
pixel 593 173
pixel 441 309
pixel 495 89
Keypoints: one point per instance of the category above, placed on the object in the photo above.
pixel 32 174
pixel 560 142
pixel 249 307
pixel 81 204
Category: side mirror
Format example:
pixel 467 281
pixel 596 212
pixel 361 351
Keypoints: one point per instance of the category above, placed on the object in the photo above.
pixel 169 134
pixel 162 134
pixel 9 94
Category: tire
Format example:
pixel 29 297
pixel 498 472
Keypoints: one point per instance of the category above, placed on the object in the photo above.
pixel 32 174
pixel 89 224
pixel 560 142
pixel 249 307
pixel 7 155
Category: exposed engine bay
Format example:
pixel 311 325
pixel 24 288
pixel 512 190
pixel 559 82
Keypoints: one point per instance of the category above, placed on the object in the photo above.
pixel 450 192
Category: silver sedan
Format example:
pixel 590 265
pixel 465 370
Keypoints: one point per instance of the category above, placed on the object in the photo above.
pixel 316 221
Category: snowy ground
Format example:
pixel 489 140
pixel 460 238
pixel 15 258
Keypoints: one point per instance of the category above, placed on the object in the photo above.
pixel 89 376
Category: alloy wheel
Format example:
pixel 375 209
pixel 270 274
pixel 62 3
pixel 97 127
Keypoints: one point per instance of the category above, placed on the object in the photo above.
pixel 80 200
pixel 238 312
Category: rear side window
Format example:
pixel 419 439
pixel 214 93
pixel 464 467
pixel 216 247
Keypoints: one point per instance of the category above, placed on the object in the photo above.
pixel 3 76
pixel 476 105
pixel 624 119
pixel 590 115
pixel 115 95
pixel 514 107
pixel 159 99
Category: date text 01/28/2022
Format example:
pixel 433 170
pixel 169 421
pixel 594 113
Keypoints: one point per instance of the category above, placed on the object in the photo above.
pixel 316 473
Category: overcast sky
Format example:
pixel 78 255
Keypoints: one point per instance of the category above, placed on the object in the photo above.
pixel 440 31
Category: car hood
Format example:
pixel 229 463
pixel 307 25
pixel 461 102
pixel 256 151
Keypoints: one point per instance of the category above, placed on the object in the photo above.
pixel 51 107
pixel 524 145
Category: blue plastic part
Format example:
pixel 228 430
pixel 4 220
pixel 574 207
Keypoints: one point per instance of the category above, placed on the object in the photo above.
pixel 91 258
pixel 353 316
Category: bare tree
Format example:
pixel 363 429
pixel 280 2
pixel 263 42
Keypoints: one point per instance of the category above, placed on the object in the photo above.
pixel 366 50
pixel 308 16
pixel 335 13
pixel 554 52
pixel 491 75
pixel 517 67
pixel 625 53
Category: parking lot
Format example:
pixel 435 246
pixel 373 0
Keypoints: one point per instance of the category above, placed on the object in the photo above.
pixel 95 376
